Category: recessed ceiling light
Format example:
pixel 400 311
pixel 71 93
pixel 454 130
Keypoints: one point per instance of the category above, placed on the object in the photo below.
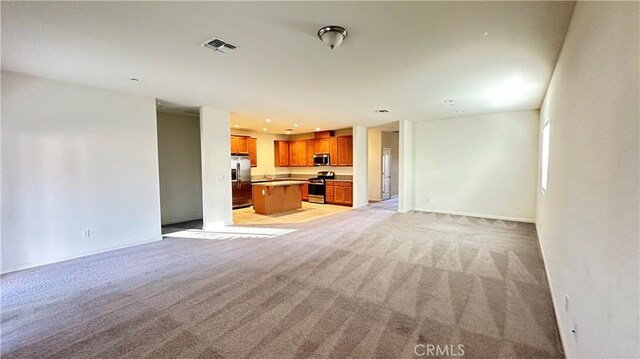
pixel 268 120
pixel 459 111
pixel 448 101
pixel 317 128
pixel 382 110
pixel 295 125
pixel 134 79
pixel 485 34
pixel 288 132
pixel 236 125
pixel 265 129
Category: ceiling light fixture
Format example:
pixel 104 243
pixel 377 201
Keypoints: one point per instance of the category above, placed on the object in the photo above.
pixel 236 125
pixel 134 79
pixel 317 128
pixel 382 111
pixel 268 120
pixel 295 125
pixel 485 34
pixel 288 131
pixel 332 35
pixel 459 111
pixel 265 129
pixel 447 101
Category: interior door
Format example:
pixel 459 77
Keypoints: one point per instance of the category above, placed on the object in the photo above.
pixel 386 172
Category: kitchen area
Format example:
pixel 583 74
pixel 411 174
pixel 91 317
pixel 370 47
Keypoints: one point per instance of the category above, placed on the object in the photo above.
pixel 285 179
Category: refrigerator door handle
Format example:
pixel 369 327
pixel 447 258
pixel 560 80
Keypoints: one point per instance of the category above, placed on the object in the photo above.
pixel 238 171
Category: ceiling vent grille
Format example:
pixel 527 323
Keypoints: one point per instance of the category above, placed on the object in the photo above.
pixel 219 45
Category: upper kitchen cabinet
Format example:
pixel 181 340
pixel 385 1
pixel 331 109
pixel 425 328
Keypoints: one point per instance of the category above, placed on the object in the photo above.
pixel 240 145
pixel 293 154
pixel 333 151
pixel 302 152
pixel 310 152
pixel 281 157
pixel 253 151
pixel 345 151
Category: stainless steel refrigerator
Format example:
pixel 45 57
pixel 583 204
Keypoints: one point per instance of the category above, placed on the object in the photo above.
pixel 241 181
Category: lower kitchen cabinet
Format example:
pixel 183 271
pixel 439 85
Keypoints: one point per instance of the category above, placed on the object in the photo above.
pixel 339 192
pixel 305 192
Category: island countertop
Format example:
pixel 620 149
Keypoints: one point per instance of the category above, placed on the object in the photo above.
pixel 278 183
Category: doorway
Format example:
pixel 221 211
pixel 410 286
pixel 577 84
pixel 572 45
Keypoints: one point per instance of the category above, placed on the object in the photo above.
pixel 386 173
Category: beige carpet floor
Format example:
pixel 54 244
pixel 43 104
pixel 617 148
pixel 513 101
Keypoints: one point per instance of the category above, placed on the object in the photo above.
pixel 367 283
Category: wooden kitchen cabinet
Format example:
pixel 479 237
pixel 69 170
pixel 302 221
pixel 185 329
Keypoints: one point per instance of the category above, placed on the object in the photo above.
pixel 281 157
pixel 305 192
pixel 321 145
pixel 293 154
pixel 329 189
pixel 339 192
pixel 345 151
pixel 310 152
pixel 253 151
pixel 333 151
pixel 240 145
pixel 302 153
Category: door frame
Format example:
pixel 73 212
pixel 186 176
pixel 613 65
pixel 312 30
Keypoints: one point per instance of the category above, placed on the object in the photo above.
pixel 382 174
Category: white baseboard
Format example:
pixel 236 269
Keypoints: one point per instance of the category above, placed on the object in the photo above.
pixel 478 215
pixel 75 256
pixel 361 205
pixel 556 309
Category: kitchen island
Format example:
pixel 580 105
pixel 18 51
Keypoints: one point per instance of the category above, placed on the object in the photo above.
pixel 277 196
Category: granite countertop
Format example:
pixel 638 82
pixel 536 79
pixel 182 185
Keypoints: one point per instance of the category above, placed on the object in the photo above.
pixel 279 183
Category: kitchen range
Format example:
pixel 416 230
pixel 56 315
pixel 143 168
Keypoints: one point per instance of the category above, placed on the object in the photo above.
pixel 317 186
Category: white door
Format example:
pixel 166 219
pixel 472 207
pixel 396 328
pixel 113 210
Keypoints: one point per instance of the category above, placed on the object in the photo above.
pixel 386 172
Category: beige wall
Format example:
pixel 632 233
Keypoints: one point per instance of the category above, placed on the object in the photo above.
pixel 180 167
pixel 479 165
pixel 391 140
pixel 375 164
pixel 588 218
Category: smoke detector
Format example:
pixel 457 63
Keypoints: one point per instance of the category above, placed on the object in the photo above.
pixel 219 45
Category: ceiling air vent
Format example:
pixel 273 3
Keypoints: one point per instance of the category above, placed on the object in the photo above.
pixel 219 45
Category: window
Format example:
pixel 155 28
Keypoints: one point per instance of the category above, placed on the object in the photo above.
pixel 545 157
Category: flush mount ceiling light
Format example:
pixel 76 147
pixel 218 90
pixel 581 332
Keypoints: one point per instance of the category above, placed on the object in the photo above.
pixel 236 125
pixel 382 111
pixel 268 120
pixel 295 125
pixel 459 111
pixel 288 131
pixel 332 35
pixel 265 129
pixel 135 79
pixel 317 128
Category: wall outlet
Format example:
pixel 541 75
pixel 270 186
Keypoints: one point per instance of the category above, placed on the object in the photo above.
pixel 86 233
pixel 566 303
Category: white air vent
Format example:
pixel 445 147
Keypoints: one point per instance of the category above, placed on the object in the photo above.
pixel 219 45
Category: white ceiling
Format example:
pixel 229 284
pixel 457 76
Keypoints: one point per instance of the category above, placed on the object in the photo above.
pixel 407 57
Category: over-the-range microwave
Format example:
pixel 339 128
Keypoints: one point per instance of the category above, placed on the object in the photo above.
pixel 321 160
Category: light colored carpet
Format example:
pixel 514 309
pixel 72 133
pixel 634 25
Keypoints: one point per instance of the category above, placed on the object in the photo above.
pixel 364 283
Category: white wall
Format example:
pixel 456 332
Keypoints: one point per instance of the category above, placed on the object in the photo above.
pixel 375 164
pixel 215 146
pixel 180 167
pixel 391 140
pixel 481 166
pixel 406 179
pixel 360 159
pixel 75 158
pixel 588 218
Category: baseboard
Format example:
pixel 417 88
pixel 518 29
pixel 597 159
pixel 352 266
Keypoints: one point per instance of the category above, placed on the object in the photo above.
pixel 75 256
pixel 553 297
pixel 478 215
pixel 361 205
